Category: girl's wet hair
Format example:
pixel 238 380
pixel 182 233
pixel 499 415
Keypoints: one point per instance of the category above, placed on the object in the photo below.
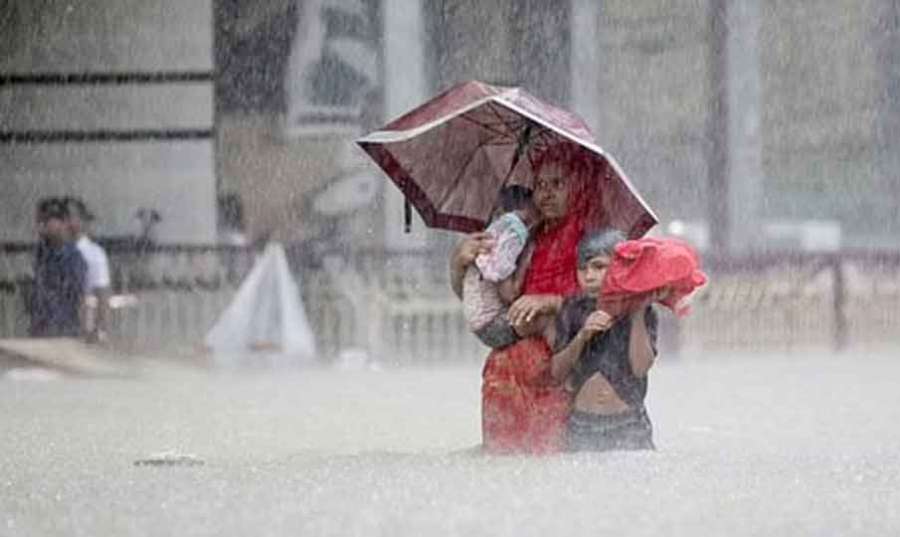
pixel 600 242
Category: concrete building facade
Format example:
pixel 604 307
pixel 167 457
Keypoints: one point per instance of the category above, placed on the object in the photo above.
pixel 791 115
pixel 790 109
pixel 42 119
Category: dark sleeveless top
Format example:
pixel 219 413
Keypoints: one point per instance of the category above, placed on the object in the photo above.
pixel 607 352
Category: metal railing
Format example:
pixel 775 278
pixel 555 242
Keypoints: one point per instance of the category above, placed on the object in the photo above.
pixel 400 310
pixel 796 301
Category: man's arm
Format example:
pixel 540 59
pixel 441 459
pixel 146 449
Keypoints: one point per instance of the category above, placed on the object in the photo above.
pixel 103 292
pixel 97 332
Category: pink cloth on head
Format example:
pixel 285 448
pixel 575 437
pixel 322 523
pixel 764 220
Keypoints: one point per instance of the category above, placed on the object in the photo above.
pixel 643 266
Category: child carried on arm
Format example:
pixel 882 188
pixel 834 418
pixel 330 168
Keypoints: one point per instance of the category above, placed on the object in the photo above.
pixel 494 280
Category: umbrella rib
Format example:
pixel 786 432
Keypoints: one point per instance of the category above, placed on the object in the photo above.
pixel 459 175
pixel 487 126
pixel 510 124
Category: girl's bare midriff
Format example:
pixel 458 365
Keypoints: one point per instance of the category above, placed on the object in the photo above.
pixel 597 396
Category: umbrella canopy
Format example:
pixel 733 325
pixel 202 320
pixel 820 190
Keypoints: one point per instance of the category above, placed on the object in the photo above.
pixel 451 156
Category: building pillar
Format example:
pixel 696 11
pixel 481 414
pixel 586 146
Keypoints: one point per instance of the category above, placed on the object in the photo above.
pixel 887 133
pixel 113 138
pixel 586 76
pixel 405 86
pixel 734 136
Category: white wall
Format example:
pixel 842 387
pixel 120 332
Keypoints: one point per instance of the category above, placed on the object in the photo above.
pixel 115 178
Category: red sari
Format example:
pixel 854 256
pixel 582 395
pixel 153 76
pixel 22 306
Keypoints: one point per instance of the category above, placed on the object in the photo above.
pixel 523 408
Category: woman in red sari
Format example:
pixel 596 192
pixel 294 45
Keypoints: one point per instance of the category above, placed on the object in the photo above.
pixel 523 408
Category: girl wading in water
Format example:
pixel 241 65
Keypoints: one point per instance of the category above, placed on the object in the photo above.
pixel 603 360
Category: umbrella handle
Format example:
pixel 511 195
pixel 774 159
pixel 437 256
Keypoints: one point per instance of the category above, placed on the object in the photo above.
pixel 407 216
pixel 522 146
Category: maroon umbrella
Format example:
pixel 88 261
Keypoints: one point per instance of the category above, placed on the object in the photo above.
pixel 451 156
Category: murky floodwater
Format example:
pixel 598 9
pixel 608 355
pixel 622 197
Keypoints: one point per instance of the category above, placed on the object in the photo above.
pixel 749 446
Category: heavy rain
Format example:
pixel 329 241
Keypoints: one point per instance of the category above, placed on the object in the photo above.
pixel 246 287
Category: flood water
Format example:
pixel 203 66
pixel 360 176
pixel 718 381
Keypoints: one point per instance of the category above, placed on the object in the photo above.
pixel 750 445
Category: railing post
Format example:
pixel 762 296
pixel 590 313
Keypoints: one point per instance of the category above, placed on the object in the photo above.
pixel 839 288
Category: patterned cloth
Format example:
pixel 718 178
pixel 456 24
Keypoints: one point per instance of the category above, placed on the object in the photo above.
pixel 481 300
pixel 510 235
pixel 482 303
pixel 626 431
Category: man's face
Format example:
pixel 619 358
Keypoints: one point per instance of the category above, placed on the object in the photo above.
pixel 592 273
pixel 54 228
pixel 551 194
pixel 76 225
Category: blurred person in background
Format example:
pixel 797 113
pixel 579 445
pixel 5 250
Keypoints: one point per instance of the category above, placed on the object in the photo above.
pixel 60 274
pixel 95 307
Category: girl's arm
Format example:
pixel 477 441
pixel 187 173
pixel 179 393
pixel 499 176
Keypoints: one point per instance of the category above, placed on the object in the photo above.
pixel 563 361
pixel 641 343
